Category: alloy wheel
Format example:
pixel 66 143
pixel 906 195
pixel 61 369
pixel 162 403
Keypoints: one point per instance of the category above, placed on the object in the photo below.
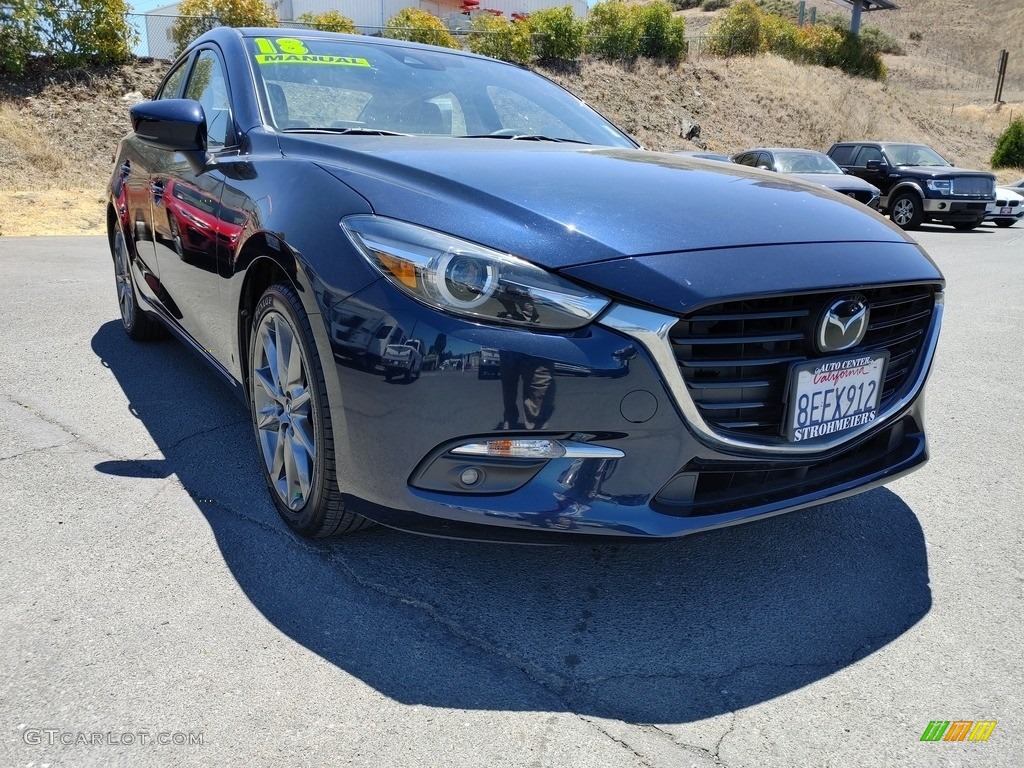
pixel 283 405
pixel 903 211
pixel 123 279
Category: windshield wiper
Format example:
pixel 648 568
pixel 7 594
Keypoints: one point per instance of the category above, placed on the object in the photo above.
pixel 347 131
pixel 524 137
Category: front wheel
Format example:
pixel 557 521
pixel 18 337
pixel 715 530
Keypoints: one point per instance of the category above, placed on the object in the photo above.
pixel 291 417
pixel 906 211
pixel 1005 222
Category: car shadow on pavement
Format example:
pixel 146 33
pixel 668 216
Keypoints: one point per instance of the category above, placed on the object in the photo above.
pixel 655 633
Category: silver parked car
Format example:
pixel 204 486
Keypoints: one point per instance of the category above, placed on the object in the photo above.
pixel 811 166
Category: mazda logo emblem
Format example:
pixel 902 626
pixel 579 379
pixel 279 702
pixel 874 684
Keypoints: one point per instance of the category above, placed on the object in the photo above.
pixel 843 324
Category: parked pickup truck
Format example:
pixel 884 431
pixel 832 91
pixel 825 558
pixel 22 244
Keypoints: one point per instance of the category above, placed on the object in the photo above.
pixel 918 184
pixel 405 360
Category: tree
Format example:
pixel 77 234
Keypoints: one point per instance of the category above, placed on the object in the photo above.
pixel 1010 146
pixel 419 27
pixel 328 21
pixel 68 33
pixel 499 38
pixel 19 34
pixel 557 34
pixel 198 16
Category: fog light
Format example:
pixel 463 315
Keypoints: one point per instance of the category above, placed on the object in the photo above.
pixel 533 448
pixel 513 449
pixel 470 476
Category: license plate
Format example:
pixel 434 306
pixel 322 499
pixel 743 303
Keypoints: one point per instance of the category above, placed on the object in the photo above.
pixel 833 395
pixel 1006 210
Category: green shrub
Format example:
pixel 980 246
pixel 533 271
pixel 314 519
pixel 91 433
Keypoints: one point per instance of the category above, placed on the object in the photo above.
pixel 663 36
pixel 737 32
pixel 779 35
pixel 916 36
pixel 499 38
pixel 682 5
pixel 557 34
pixel 79 31
pixel 328 21
pixel 614 29
pixel 67 34
pixel 199 16
pixel 19 36
pixel 418 26
pixel 880 41
pixel 714 5
pixel 1010 146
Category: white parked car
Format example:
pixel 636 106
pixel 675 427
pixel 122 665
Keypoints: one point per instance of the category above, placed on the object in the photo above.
pixel 1008 207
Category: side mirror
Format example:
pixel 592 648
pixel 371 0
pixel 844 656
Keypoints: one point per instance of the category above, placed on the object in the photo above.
pixel 177 125
pixel 874 165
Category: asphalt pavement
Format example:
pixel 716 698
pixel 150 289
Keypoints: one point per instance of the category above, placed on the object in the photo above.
pixel 154 610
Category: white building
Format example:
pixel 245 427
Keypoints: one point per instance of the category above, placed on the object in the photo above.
pixel 368 15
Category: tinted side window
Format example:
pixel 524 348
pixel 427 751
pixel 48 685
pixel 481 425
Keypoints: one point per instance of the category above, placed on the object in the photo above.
pixel 209 86
pixel 172 85
pixel 843 155
pixel 764 160
pixel 748 158
pixel 867 154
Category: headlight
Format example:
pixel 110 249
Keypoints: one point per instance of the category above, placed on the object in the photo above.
pixel 464 278
pixel 941 186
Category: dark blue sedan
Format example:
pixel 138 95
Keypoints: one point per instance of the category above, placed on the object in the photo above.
pixel 611 342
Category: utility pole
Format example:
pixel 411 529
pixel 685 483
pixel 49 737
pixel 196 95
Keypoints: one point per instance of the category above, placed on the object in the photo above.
pixel 1004 56
pixel 855 21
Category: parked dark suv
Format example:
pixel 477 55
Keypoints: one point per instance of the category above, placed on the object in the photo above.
pixel 917 184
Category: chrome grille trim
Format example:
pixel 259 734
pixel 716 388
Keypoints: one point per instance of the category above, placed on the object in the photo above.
pixel 974 186
pixel 651 330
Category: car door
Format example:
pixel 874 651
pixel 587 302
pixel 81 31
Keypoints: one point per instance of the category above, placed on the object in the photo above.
pixel 186 209
pixel 877 175
pixel 132 194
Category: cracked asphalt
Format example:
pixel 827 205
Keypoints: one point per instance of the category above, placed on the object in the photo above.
pixel 149 592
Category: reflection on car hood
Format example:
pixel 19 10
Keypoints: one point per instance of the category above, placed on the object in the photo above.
pixel 560 205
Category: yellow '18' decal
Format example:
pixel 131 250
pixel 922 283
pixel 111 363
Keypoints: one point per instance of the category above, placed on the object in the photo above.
pixel 289 50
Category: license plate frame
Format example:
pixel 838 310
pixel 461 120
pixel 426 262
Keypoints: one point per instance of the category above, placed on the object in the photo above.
pixel 842 393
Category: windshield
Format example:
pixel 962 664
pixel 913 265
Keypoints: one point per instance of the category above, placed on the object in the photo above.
pixel 914 154
pixel 805 162
pixel 361 86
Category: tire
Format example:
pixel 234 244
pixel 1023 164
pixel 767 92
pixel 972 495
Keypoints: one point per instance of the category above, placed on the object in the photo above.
pixel 965 226
pixel 179 244
pixel 387 375
pixel 136 323
pixel 291 418
pixel 1005 222
pixel 906 211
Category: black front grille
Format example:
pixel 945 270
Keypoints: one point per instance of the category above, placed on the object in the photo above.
pixel 735 356
pixel 710 488
pixel 860 195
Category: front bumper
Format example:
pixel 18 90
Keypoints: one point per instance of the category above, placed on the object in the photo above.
pixel 609 385
pixel 952 211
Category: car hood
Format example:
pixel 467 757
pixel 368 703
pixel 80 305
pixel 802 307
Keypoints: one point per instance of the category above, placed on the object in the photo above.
pixel 560 205
pixel 942 170
pixel 836 181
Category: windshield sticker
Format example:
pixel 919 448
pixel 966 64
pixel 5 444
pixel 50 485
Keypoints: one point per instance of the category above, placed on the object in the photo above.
pixel 309 58
pixel 290 50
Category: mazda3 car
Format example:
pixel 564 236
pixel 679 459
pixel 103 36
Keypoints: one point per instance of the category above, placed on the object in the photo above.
pixel 615 343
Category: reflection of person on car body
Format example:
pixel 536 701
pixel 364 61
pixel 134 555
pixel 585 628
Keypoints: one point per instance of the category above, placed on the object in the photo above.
pixel 538 391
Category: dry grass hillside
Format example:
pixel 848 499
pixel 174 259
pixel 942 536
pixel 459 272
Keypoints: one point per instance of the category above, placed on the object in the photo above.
pixel 59 131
